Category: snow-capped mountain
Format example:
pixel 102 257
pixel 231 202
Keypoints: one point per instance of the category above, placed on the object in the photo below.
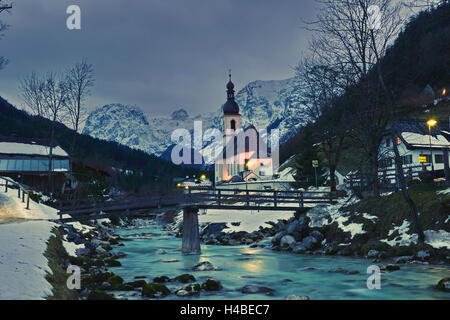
pixel 265 104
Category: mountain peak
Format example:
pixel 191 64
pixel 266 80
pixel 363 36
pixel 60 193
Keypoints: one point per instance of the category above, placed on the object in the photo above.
pixel 180 114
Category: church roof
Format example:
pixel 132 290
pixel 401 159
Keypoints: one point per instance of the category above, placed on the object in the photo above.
pixel 230 107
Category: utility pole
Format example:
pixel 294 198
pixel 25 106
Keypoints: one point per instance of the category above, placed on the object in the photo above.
pixel 315 164
pixel 431 123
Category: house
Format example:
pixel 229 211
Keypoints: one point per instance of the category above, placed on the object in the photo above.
pixel 414 140
pixel 28 161
pixel 245 155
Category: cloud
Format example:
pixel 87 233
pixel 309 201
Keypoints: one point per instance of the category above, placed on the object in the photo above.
pixel 158 54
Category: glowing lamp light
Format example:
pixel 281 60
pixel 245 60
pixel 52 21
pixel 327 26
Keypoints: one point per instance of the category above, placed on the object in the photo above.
pixel 203 177
pixel 431 122
pixel 444 91
pixel 178 185
pixel 186 187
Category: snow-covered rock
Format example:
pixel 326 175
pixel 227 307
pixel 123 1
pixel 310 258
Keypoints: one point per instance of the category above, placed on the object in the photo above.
pixel 287 240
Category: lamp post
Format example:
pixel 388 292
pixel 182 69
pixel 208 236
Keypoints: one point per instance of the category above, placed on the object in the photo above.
pixel 431 123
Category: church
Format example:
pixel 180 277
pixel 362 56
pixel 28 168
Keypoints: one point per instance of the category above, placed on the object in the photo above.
pixel 245 156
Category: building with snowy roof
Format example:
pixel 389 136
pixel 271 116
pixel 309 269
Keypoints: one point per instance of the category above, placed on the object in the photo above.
pixel 245 156
pixel 28 161
pixel 414 140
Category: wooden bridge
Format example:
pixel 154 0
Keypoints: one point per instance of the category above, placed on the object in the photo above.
pixel 190 201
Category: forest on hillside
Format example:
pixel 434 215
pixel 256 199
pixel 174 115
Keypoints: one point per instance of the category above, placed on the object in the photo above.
pixel 418 58
pixel 136 171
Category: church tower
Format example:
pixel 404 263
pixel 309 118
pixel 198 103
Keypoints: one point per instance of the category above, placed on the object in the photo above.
pixel 231 117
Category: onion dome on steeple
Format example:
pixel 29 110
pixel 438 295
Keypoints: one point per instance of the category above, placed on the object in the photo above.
pixel 230 107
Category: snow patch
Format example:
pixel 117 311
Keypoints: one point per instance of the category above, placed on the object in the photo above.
pixel 446 191
pixel 437 239
pixel 23 266
pixel 249 220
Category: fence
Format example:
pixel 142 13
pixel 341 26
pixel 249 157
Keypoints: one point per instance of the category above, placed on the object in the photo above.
pixel 22 190
pixel 387 177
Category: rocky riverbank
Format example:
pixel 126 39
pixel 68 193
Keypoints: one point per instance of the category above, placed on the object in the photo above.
pixel 339 229
pixel 324 230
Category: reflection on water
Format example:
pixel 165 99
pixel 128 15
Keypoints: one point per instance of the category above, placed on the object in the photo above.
pixel 286 273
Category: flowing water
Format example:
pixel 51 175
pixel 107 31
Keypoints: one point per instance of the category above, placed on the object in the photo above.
pixel 284 272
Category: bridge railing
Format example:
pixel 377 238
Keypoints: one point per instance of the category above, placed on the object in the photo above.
pixel 22 190
pixel 208 198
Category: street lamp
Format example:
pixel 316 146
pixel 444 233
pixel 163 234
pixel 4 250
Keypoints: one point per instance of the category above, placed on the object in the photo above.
pixel 431 123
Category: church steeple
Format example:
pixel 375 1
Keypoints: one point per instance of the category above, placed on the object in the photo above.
pixel 230 107
pixel 230 88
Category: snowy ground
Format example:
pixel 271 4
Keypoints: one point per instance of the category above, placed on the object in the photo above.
pixel 249 220
pixel 22 263
pixel 23 236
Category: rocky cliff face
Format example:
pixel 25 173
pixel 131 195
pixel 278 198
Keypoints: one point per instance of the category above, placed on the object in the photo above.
pixel 267 105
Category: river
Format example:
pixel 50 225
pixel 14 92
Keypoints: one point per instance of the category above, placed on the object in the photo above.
pixel 284 272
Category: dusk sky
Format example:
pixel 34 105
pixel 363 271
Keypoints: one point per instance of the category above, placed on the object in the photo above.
pixel 158 54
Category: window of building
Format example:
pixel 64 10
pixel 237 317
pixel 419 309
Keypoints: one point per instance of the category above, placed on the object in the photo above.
pixel 439 158
pixel 407 159
pixel 233 124
pixel 384 163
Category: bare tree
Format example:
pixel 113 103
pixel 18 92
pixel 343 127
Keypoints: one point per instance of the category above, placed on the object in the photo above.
pixel 321 86
pixel 80 80
pixel 32 92
pixel 351 36
pixel 46 96
pixel 354 36
pixel 3 27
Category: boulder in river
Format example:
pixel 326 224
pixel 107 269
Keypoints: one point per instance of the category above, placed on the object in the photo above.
pixel 169 260
pixel 391 267
pixel 161 279
pixel 185 278
pixel 100 295
pixel 155 290
pixel 310 242
pixel 205 266
pixel 444 285
pixel 298 248
pixel 192 289
pixel 251 289
pixel 292 227
pixel 211 285
pixel 286 241
pixel 137 283
pixel 372 254
pixel 403 259
pixel 316 234
pixel 277 238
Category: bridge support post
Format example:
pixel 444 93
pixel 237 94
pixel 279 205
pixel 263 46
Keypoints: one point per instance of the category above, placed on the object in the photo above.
pixel 191 234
